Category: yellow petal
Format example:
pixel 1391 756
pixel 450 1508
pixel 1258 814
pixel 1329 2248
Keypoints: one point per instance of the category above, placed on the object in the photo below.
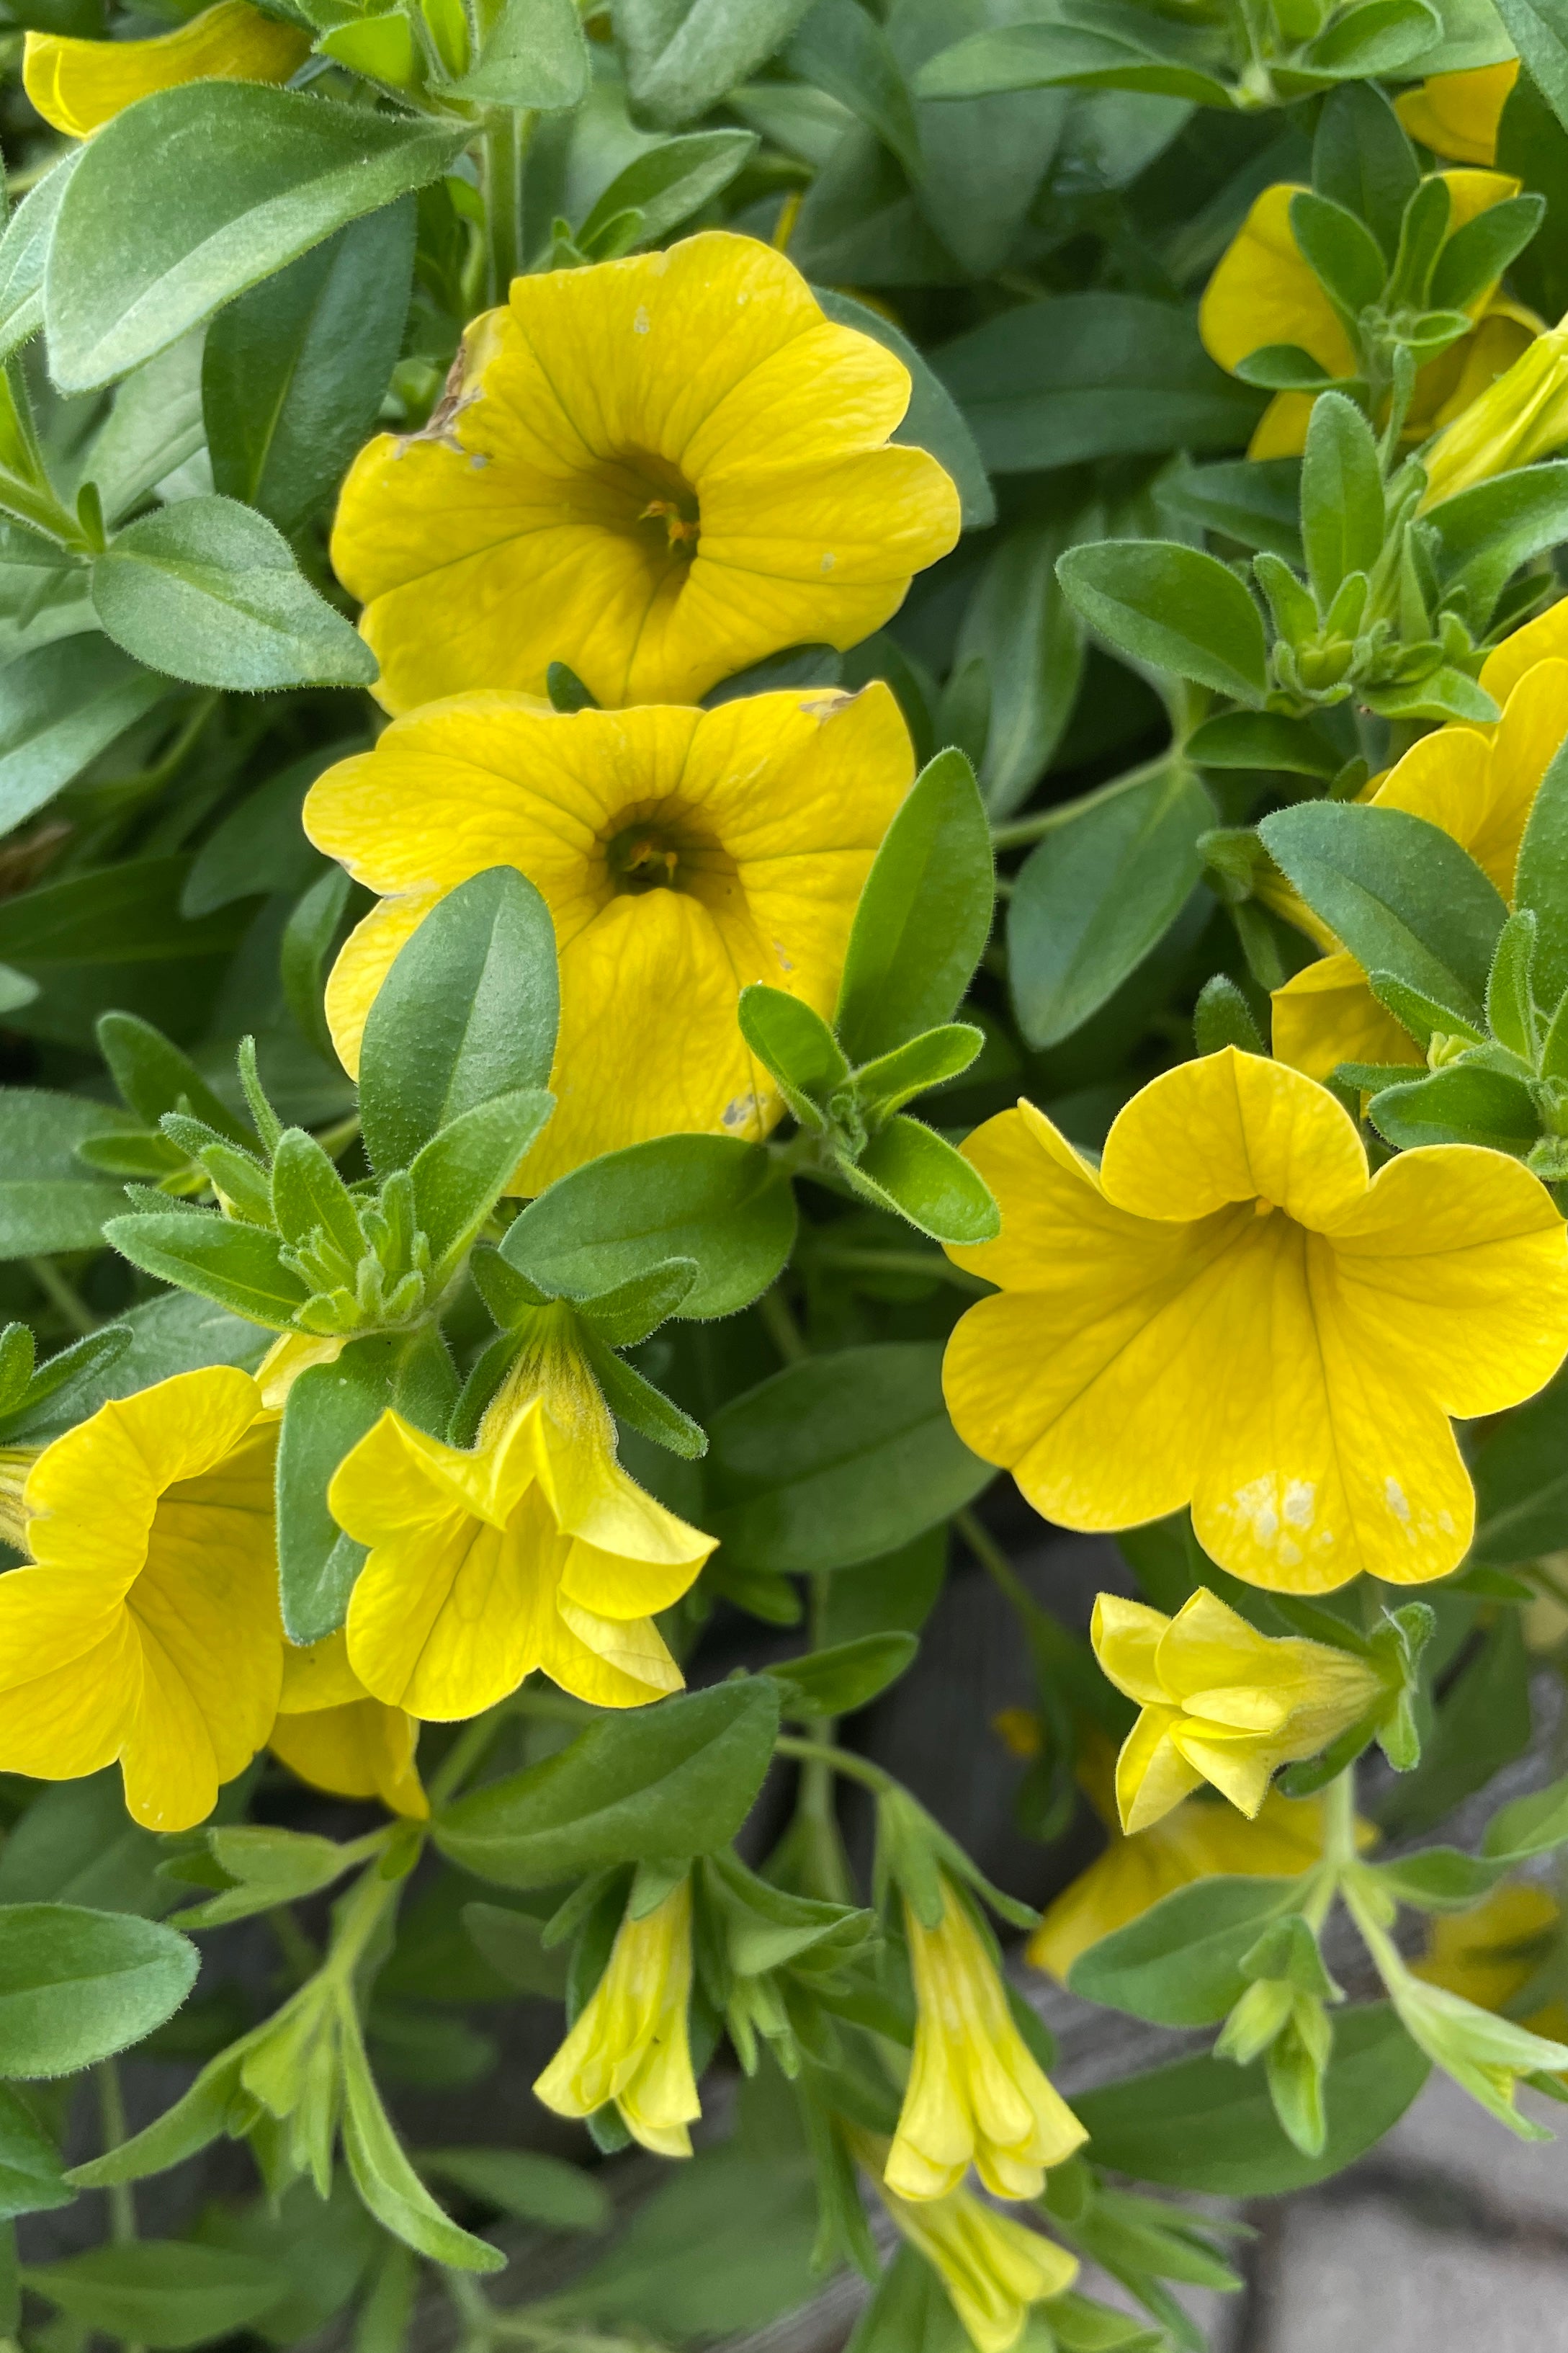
pixel 1543 639
pixel 608 1662
pixel 360 1749
pixel 77 86
pixel 772 808
pixel 1526 740
pixel 1126 1637
pixel 1263 293
pixel 318 1676
pixel 1455 1269
pixel 1457 114
pixel 1232 1127
pixel 1326 1014
pixel 70 1675
pixel 1151 1773
pixel 527 524
pixel 1281 430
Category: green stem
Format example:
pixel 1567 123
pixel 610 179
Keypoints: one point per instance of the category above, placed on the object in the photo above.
pixel 301 1956
pixel 504 148
pixel 63 1295
pixel 781 1328
pixel 838 1761
pixel 1339 1850
pixel 112 2112
pixel 1021 830
pixel 466 1752
pixel 999 1569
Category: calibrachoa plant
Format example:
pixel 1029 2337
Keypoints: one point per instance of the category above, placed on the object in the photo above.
pixel 783 791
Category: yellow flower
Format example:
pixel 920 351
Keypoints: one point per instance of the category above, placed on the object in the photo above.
pixel 1226 1314
pixel 1479 784
pixel 630 2043
pixel 682 853
pixel 993 2268
pixel 334 1735
pixel 78 86
pixel 1521 415
pixel 1458 114
pixel 976 2093
pixel 1197 1840
pixel 146 1632
pixel 1263 292
pixel 1221 1702
pixel 534 1550
pixel 1489 1955
pixel 655 470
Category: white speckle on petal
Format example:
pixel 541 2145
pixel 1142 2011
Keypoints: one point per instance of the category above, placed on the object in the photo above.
pixel 737 1113
pixel 477 462
pixel 1395 1498
pixel 1254 1505
pixel 785 963
pixel 1301 1503
pixel 640 323
pixel 1286 1554
pixel 828 561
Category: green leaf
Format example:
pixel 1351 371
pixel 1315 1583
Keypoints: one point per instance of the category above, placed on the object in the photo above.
pixel 795 1043
pixel 47 1200
pixel 906 1167
pixel 1256 501
pixel 1129 51
pixel 1483 1722
pixel 848 1676
pixel 541 2189
pixel 535 55
pixel 267 1866
pixel 1091 375
pixel 196 194
pixel 923 916
pixel 893 1594
pixel 77 1985
pixel 667 184
pixel 682 55
pixel 209 591
pixel 260 845
pixel 1203 2125
pixel 628 1314
pixel 1340 249
pixel 836 1459
pixel 76 1844
pixel 1480 536
pixel 25 250
pixel 933 419
pixel 1174 607
pixel 1465 1103
pixel 164 2293
pixel 328 1411
pixel 511 1942
pixel 1021 627
pixel 1342 495
pixel 170 1334
pixel 1097 893
pixel 1401 895
pixel 709 1198
pixel 387 2181
pixel 293 373
pixel 461 1173
pixel 673 1779
pixel 1380 36
pixel 235 1266
pixel 1539 35
pixel 1179 1964
pixel 314 927
pixel 841 50
pixel 1477 255
pixel 1222 1017
pixel 155 1077
pixel 1440 1878
pixel 1530 1825
pixel 60 706
pixel 929 1060
pixel 1362 160
pixel 31 2177
pixel 1541 880
pixel 1521 1482
pixel 467 1012
pixel 637 1403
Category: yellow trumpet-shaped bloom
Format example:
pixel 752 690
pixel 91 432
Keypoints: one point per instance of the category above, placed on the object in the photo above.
pixel 1521 415
pixel 976 2093
pixel 993 2268
pixel 630 2043
pixel 333 1735
pixel 1197 1840
pixel 1228 1314
pixel 682 853
pixel 533 1550
pixel 1221 1702
pixel 1479 784
pixel 1458 114
pixel 655 470
pixel 145 1631
pixel 78 86
pixel 1264 292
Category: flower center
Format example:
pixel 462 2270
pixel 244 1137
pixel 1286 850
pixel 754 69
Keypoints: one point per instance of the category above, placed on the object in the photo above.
pixel 652 502
pixel 664 845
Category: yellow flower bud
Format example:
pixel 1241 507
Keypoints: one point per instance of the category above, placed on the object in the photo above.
pixel 976 2093
pixel 1220 1701
pixel 630 2043
pixel 993 2268
pixel 1522 416
pixel 78 85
